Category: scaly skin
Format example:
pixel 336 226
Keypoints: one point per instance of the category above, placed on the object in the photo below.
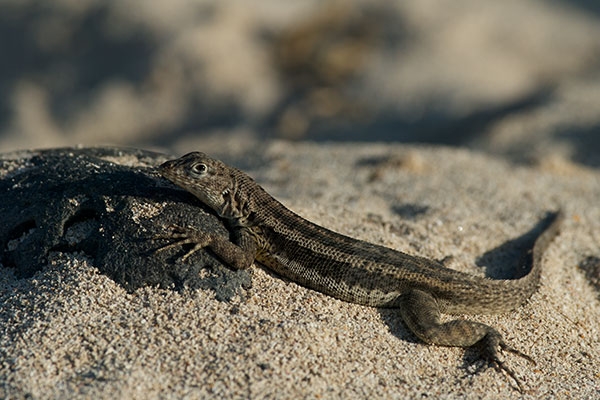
pixel 346 268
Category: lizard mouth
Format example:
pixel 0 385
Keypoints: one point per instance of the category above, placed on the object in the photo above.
pixel 168 170
pixel 166 166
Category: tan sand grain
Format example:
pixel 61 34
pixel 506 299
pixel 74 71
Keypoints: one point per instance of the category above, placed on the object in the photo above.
pixel 70 332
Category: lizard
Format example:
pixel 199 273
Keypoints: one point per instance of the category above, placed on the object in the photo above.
pixel 263 229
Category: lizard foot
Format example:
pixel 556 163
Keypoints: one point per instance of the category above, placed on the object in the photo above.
pixel 182 236
pixel 488 349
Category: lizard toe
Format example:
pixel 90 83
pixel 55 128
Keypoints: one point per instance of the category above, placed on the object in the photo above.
pixel 489 347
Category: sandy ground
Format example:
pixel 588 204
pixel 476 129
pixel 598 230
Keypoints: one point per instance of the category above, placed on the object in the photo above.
pixel 217 77
pixel 71 332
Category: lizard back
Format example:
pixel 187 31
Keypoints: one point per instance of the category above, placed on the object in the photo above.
pixel 365 273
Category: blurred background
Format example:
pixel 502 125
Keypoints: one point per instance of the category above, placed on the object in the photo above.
pixel 519 78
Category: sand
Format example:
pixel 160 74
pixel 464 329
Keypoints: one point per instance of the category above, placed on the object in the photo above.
pixel 71 332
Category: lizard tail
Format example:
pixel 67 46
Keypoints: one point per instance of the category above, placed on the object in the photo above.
pixel 553 221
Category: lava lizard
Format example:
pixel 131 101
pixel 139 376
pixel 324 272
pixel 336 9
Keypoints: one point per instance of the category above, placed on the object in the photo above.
pixel 353 270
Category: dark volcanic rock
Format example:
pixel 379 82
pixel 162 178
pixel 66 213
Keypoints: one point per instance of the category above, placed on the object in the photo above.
pixel 92 200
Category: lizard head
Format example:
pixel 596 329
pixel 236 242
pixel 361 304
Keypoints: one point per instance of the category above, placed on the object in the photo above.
pixel 210 180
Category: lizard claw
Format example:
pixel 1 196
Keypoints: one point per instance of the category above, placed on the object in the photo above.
pixel 173 232
pixel 182 236
pixel 500 366
pixel 489 351
pixel 506 347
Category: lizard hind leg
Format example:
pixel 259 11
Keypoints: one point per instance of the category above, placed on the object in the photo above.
pixel 421 314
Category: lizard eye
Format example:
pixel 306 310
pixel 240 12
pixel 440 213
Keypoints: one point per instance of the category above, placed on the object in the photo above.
pixel 199 169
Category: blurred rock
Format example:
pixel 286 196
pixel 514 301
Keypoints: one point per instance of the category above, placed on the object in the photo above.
pixel 518 79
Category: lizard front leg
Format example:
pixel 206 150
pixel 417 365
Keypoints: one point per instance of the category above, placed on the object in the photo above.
pixel 421 314
pixel 238 252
